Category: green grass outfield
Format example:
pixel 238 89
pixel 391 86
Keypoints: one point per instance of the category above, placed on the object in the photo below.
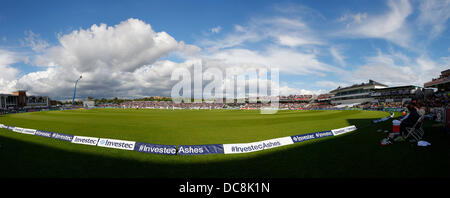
pixel 357 154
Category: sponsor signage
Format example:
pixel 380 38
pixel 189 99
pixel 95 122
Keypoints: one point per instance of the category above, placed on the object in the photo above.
pixel 200 149
pixel 117 144
pixel 343 130
pixel 29 131
pixel 184 149
pixel 310 136
pixel 322 134
pixel 17 129
pixel 85 140
pixel 156 148
pixel 303 137
pixel 256 146
pixel 43 133
pixel 62 136
pixel 242 148
pixel 4 126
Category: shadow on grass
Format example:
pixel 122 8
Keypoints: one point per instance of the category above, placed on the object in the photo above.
pixel 355 155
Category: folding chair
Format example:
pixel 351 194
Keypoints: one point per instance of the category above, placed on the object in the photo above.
pixel 416 131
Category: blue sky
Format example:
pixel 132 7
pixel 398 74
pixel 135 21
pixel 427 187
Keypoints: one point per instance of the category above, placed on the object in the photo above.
pixel 318 45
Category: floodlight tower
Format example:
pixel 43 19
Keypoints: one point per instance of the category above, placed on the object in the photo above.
pixel 75 90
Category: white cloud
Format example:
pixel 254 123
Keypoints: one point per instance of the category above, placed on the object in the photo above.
pixel 284 42
pixel 299 11
pixel 8 58
pixel 393 70
pixel 434 14
pixel 391 26
pixel 351 19
pixel 288 61
pixel 216 30
pixel 187 50
pixel 127 60
pixel 391 75
pixel 121 60
pixel 241 36
pixel 293 40
pixel 35 42
pixel 148 80
pixel 425 64
pixel 123 47
pixel 286 90
pixel 6 87
pixel 239 28
pixel 7 73
pixel 330 84
pixel 337 55
pixel 282 31
pixel 428 68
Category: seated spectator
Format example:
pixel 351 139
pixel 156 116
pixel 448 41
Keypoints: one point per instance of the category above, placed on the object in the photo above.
pixel 410 120
pixel 420 109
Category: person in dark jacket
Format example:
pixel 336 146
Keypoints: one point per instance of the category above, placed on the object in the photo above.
pixel 410 120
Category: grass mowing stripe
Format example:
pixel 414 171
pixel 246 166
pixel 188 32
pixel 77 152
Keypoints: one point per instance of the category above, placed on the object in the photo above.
pixel 184 126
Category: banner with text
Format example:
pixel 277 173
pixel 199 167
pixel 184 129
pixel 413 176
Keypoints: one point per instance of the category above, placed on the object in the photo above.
pixel 256 146
pixel 62 136
pixel 310 136
pixel 200 149
pixel 17 129
pixel 183 149
pixel 156 148
pixel 343 130
pixel 43 133
pixel 28 131
pixel 117 144
pixel 85 140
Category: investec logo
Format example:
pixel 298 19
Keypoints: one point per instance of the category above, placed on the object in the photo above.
pixel 323 134
pixel 161 149
pixel 343 130
pixel 17 129
pixel 43 133
pixel 85 140
pixel 29 131
pixel 257 146
pixel 61 136
pixel 310 136
pixel 118 144
pixel 301 138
